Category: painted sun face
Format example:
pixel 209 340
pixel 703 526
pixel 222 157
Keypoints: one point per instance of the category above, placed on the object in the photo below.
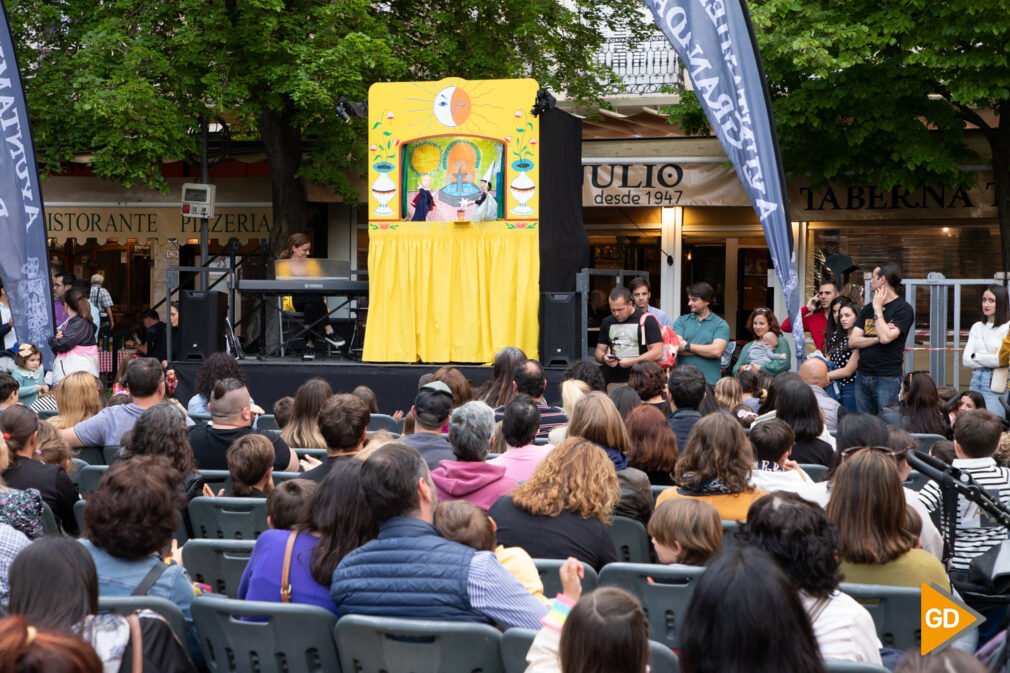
pixel 452 106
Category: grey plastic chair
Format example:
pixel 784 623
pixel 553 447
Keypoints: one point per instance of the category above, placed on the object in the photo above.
pixel 631 540
pixel 664 592
pixel 658 491
pixel 92 455
pixel 216 479
pixel 247 636
pixel 219 563
pixel 315 453
pixel 228 518
pixel 729 529
pixel 815 471
pixel 112 454
pixel 549 570
pixel 895 612
pixel 916 480
pixel 388 645
pixel 49 524
pixel 515 643
pixel 838 666
pixel 285 476
pixel 79 514
pixel 200 418
pixel 76 465
pixel 124 605
pixel 385 422
pixel 88 477
pixel 925 440
pixel 266 422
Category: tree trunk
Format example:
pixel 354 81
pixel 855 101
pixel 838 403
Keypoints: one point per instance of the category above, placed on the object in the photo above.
pixel 1000 144
pixel 283 144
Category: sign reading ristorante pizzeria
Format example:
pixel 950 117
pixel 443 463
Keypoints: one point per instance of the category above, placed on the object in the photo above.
pixel 162 222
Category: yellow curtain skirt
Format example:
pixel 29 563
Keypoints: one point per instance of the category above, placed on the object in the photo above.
pixel 448 292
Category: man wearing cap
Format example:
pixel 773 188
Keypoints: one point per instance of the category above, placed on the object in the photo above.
pixel 432 407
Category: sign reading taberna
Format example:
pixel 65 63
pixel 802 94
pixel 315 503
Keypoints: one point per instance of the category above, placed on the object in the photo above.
pixel 24 257
pixel 716 44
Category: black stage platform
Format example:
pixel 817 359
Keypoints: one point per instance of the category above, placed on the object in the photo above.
pixel 394 384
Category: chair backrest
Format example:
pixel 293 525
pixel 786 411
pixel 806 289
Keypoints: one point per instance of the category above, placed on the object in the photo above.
pixel 385 422
pixel 839 666
pixel 815 471
pixel 88 477
pixel 381 644
pixel 200 418
pixel 656 492
pixel 76 465
pixel 631 540
pixel 217 479
pixel 315 453
pixel 228 518
pixel 925 440
pixel 45 414
pixel 219 563
pixel 515 643
pixel 253 636
pixel 284 476
pixel 729 529
pixel 664 592
pixel 79 514
pixel 112 454
pixel 549 570
pixel 49 523
pixel 267 422
pixel 916 480
pixel 895 612
pixel 92 455
pixel 125 605
pixel 541 441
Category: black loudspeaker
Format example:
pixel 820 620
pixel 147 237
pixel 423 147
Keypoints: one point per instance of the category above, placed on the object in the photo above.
pixel 560 320
pixel 202 328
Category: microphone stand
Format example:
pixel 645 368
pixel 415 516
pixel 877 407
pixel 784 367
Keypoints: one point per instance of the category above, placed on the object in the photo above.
pixel 953 483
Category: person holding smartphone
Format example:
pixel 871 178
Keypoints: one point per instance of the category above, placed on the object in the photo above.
pixel 626 339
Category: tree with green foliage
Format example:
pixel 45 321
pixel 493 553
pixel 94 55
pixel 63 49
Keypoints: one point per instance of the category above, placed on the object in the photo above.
pixel 127 81
pixel 882 91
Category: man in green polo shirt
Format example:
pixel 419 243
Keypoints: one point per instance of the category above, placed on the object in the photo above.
pixel 704 333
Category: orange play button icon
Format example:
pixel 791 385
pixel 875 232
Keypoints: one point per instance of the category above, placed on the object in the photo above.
pixel 943 618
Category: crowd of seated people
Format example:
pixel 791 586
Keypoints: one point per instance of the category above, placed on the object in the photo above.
pixel 448 520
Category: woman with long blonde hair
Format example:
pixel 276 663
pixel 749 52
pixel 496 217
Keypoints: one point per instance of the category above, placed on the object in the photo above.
pixel 302 431
pixel 729 396
pixel 78 398
pixel 597 419
pixel 564 508
pixel 572 391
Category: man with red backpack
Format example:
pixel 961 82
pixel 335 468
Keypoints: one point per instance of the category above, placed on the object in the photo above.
pixel 625 339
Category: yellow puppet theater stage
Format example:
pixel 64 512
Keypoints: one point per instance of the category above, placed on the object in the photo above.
pixel 454 253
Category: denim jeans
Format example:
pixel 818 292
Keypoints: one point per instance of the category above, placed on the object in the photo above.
pixel 980 382
pixel 844 395
pixel 873 393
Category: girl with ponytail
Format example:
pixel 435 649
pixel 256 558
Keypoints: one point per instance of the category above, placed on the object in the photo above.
pixel 74 343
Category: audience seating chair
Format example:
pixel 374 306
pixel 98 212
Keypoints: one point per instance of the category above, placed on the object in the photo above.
pixel 216 479
pixel 45 414
pixel 228 518
pixel 729 530
pixel 631 540
pixel 92 455
pixel 895 612
pixel 111 454
pixel 200 418
pixel 88 477
pixel 284 476
pixel 258 636
pixel 925 441
pixel 385 422
pixel 515 643
pixel 125 605
pixel 664 592
pixel 218 563
pixel 267 422
pixel 916 480
pixel 79 514
pixel 384 644
pixel 658 491
pixel 541 441
pixel 76 465
pixel 549 575
pixel 49 524
pixel 815 471
pixel 319 454
pixel 839 666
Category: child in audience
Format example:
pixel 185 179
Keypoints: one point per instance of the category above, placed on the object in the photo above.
pixel 686 531
pixel 762 350
pixel 29 374
pixel 52 449
pixel 944 450
pixel 290 504
pixel 467 524
pixel 282 411
pixel 251 466
pixel 8 391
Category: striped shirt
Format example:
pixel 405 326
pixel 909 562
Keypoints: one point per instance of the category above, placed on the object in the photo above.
pixel 550 418
pixel 976 530
pixel 494 592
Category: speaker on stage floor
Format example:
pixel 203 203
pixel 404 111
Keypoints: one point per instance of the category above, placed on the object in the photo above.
pixel 560 318
pixel 202 328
